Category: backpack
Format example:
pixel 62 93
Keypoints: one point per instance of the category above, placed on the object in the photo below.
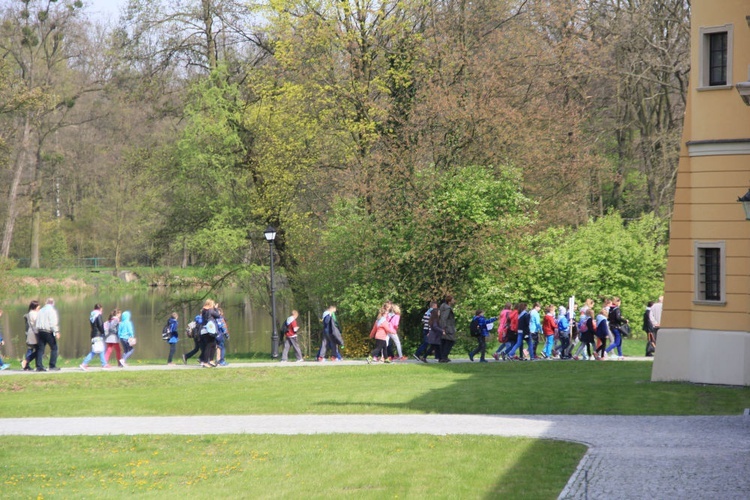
pixel 210 328
pixel 502 330
pixel 582 326
pixel 166 332
pixel 284 329
pixel 190 329
pixel 513 321
pixel 474 330
pixel 113 325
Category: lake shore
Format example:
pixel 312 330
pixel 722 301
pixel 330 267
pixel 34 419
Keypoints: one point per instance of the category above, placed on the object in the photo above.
pixel 25 281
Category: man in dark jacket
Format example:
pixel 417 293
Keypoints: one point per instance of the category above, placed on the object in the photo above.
pixel 448 324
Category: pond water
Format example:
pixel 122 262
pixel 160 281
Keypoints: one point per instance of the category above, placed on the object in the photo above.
pixel 249 322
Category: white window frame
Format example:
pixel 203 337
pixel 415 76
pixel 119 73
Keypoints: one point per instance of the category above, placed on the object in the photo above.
pixel 704 57
pixel 699 296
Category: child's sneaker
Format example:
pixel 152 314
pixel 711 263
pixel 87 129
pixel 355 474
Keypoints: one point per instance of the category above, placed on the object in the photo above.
pixel 83 367
pixel 4 366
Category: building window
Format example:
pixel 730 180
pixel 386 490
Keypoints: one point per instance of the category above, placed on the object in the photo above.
pixel 710 272
pixel 716 57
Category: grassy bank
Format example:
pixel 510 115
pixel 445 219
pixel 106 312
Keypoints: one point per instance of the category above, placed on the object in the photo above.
pixel 27 281
pixel 604 388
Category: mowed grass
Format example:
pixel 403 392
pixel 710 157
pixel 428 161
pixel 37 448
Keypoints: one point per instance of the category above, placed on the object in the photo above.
pixel 543 387
pixel 319 466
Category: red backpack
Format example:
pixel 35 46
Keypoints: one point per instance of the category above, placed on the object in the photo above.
pixel 502 329
pixel 513 320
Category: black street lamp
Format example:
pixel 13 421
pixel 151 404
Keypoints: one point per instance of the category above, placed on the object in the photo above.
pixel 270 235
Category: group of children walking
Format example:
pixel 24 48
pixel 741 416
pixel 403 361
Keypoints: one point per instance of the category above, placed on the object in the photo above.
pixel 557 331
pixel 561 336
pixel 114 335
pixel 385 333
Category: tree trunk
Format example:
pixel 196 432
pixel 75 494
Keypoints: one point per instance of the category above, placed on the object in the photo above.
pixel 210 40
pixel 20 166
pixel 184 262
pixel 36 210
pixel 36 219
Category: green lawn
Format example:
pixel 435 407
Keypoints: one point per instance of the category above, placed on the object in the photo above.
pixel 543 387
pixel 320 466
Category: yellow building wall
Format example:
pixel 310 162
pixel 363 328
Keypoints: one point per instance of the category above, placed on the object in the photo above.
pixel 699 342
pixel 721 111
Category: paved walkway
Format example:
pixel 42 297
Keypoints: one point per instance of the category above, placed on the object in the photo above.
pixel 628 457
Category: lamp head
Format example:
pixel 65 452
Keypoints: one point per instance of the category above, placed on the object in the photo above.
pixel 270 234
pixel 745 200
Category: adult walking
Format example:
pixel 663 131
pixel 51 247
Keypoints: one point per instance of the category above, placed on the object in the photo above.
pixel 31 335
pixel 209 315
pixel 649 327
pixel 48 333
pixel 290 338
pixel 656 315
pixel 434 335
pixel 327 338
pixel 97 339
pixel 422 349
pixel 379 332
pixel 616 325
pixel 448 324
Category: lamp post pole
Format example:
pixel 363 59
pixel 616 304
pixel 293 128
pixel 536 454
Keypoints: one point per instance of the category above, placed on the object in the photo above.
pixel 270 235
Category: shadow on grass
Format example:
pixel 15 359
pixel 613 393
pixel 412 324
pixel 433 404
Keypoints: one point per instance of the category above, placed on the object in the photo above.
pixel 501 389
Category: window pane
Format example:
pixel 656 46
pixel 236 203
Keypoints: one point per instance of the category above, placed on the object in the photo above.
pixel 711 270
pixel 717 59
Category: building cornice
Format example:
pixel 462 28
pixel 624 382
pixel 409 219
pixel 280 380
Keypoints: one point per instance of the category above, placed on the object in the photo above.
pixel 719 147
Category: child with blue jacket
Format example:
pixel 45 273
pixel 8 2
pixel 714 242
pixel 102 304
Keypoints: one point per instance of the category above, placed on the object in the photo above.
pixel 173 336
pixel 126 335
pixel 483 334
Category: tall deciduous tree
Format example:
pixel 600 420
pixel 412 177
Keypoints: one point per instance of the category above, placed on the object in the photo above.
pixel 40 37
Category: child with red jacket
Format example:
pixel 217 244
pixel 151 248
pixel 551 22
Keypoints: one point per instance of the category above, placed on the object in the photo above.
pixel 549 326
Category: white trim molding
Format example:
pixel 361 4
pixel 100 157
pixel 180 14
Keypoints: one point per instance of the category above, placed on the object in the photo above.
pixel 728 147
